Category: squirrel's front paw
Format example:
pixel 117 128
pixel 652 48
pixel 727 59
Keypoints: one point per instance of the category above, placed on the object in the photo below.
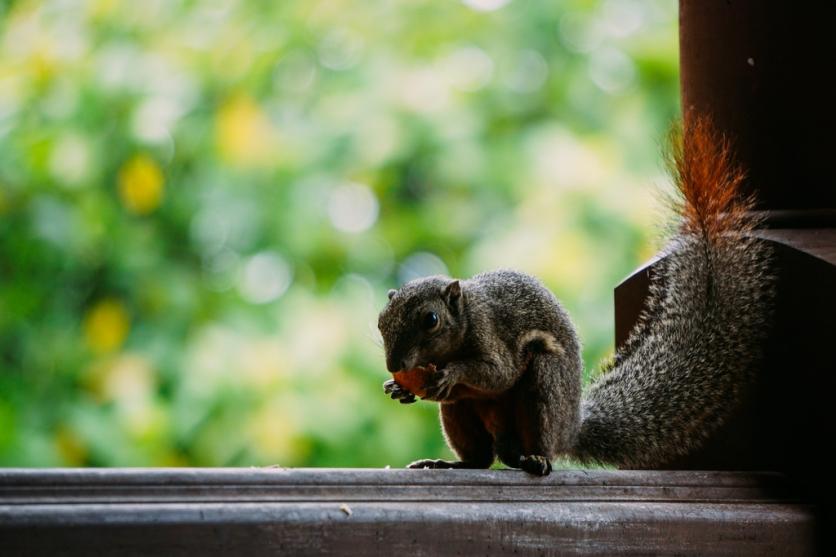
pixel 440 384
pixel 397 392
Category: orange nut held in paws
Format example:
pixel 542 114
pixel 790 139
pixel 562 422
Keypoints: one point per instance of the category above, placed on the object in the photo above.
pixel 414 380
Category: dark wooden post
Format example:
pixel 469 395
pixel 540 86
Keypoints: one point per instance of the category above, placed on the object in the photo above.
pixel 761 69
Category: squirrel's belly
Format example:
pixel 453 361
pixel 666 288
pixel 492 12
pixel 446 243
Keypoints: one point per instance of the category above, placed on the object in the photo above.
pixel 495 414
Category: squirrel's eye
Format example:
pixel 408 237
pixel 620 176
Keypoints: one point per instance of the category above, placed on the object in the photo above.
pixel 430 320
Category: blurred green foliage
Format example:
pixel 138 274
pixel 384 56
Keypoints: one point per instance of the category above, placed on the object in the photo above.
pixel 202 205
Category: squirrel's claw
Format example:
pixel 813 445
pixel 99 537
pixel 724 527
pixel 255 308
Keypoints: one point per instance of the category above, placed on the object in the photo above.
pixel 396 392
pixel 439 385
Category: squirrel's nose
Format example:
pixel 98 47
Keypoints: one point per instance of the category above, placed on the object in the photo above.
pixel 394 364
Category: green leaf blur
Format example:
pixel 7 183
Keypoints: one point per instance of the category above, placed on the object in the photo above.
pixel 202 205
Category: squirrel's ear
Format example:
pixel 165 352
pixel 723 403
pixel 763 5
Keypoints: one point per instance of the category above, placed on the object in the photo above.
pixel 453 291
pixel 391 293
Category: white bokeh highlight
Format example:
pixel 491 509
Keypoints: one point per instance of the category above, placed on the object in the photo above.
pixel 485 5
pixel 352 207
pixel 468 68
pixel 421 264
pixel 264 278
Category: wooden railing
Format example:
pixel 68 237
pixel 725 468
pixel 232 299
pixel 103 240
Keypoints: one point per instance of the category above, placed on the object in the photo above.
pixel 398 512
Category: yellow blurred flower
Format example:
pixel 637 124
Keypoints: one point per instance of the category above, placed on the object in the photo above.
pixel 106 325
pixel 128 379
pixel 70 447
pixel 570 262
pixel 100 9
pixel 243 133
pixel 42 65
pixel 262 363
pixel 273 433
pixel 141 185
pixel 172 460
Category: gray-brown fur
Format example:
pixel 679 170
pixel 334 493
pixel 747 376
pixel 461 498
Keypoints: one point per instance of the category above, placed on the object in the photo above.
pixel 508 363
pixel 687 366
pixel 511 355
pixel 693 355
pixel 508 356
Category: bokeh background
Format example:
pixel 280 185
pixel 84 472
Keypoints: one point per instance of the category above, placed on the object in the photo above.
pixel 202 205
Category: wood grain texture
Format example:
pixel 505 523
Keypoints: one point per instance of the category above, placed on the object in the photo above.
pixel 755 67
pixel 381 512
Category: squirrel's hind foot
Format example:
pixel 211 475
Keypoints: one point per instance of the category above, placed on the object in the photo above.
pixel 536 465
pixel 442 464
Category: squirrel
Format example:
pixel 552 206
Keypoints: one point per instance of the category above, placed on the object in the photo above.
pixel 505 357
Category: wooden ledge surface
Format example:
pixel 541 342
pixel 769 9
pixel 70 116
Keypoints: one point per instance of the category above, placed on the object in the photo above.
pixel 231 485
pixel 381 512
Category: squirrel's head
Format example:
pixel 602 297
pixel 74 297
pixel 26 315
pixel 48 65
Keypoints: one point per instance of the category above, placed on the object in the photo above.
pixel 423 323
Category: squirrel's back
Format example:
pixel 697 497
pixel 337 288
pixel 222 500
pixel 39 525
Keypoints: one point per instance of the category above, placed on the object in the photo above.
pixel 691 357
pixel 516 305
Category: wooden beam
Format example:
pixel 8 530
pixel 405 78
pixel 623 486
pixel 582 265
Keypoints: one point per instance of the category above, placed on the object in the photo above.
pixel 381 512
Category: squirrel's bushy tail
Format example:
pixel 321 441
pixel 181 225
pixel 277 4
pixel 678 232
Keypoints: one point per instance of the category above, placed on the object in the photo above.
pixel 691 357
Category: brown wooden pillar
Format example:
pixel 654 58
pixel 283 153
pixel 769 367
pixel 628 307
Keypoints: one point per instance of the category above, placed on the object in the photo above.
pixel 763 70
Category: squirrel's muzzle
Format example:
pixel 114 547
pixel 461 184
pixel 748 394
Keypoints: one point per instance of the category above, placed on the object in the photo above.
pixel 395 363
